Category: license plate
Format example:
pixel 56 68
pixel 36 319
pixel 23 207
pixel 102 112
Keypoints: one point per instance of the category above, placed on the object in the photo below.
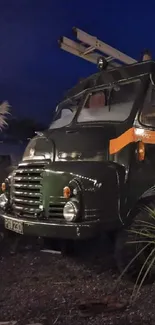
pixel 16 226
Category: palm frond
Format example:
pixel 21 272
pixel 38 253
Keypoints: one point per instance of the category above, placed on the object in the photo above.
pixel 136 292
pixel 130 263
pixel 4 111
pixel 146 232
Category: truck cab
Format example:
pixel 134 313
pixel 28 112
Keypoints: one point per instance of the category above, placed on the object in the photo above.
pixel 93 166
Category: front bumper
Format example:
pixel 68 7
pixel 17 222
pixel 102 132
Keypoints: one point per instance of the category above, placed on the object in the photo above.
pixel 52 229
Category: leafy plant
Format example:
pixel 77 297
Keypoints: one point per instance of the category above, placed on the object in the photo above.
pixel 144 232
pixel 4 111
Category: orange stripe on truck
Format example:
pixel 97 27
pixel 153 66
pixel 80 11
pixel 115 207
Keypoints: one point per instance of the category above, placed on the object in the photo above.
pixel 130 136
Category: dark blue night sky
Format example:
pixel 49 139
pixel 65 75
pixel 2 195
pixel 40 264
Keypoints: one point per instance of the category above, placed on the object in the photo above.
pixel 35 73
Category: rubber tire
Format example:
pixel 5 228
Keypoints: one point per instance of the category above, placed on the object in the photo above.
pixel 124 252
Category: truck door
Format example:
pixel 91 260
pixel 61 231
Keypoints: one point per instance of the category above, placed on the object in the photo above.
pixel 142 175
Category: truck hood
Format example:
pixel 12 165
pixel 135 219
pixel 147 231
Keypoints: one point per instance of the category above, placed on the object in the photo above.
pixel 87 143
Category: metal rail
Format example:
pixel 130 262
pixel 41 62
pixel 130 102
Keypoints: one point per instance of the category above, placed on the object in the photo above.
pixel 88 48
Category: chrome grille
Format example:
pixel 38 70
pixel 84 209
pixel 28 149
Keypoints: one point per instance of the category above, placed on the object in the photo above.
pixel 26 194
pixel 56 209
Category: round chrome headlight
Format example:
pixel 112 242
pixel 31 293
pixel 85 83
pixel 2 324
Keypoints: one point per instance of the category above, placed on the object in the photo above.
pixel 71 211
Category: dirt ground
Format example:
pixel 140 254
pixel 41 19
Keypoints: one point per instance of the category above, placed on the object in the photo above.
pixel 48 288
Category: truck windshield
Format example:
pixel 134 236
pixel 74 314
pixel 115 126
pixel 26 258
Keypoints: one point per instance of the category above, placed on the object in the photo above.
pixel 66 112
pixel 110 104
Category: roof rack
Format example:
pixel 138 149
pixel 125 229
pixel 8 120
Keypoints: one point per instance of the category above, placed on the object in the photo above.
pixel 90 48
pixel 124 73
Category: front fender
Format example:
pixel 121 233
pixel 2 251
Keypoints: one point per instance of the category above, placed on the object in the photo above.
pixel 101 185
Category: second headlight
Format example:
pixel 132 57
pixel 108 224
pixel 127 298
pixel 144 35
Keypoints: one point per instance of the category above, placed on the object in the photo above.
pixel 71 211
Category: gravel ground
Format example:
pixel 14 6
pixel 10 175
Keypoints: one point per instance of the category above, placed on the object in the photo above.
pixel 47 288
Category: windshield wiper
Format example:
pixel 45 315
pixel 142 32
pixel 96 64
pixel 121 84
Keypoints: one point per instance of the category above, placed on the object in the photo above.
pixel 116 88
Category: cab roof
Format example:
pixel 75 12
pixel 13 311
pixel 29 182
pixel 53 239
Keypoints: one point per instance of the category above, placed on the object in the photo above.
pixel 126 72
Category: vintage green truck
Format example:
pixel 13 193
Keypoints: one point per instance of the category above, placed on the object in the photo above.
pixel 94 168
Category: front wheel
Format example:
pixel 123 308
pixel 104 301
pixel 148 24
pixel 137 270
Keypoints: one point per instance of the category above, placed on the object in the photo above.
pixel 135 247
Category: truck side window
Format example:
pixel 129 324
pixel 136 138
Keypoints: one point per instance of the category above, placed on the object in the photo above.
pixel 148 112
